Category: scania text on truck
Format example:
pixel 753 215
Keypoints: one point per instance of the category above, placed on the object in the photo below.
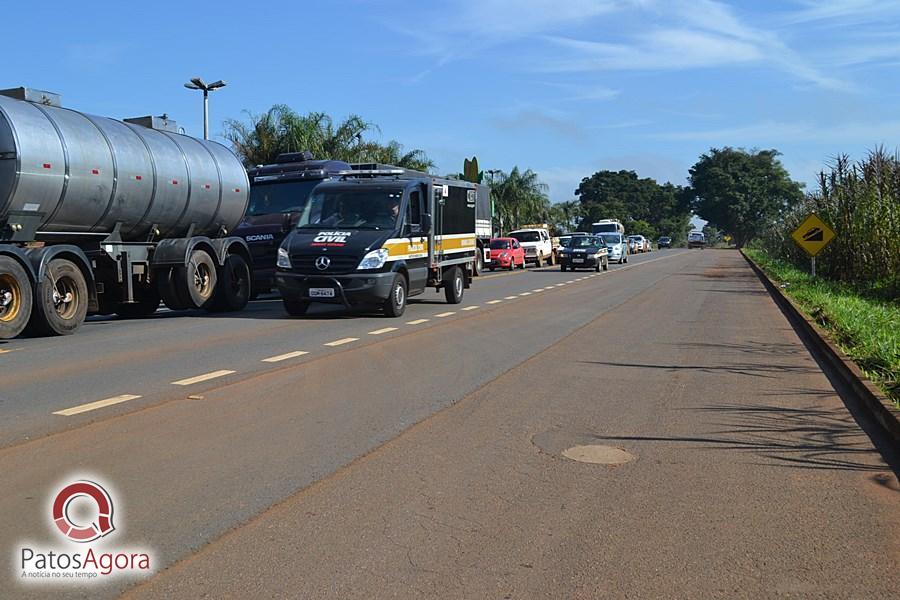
pixel 278 194
pixel 99 216
pixel 377 236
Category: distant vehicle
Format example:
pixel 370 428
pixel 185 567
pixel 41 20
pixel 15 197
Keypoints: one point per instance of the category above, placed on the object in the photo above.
pixel 537 245
pixel 616 246
pixel 584 252
pixel 696 239
pixel 637 243
pixel 664 242
pixel 506 253
pixel 608 226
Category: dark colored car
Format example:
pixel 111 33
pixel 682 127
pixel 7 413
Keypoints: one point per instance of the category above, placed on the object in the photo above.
pixel 584 252
pixel 664 242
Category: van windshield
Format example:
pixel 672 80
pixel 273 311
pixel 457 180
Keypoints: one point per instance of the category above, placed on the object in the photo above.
pixel 279 197
pixel 352 208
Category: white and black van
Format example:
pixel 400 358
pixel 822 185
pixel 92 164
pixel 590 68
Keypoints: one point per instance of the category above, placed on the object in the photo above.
pixel 375 235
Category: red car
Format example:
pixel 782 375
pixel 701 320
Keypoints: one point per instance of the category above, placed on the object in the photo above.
pixel 506 253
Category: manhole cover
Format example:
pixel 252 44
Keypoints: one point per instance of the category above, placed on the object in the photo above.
pixel 598 455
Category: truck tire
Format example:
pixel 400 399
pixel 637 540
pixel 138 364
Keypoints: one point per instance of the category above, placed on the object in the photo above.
pixel 61 300
pixel 479 261
pixel 539 261
pixel 146 301
pixel 199 278
pixel 454 286
pixel 169 290
pixel 233 288
pixel 395 305
pixel 15 298
pixel 552 261
pixel 295 308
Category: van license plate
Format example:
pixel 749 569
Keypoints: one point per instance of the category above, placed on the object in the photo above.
pixel 321 292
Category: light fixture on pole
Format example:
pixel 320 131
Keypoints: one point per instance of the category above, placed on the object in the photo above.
pixel 198 84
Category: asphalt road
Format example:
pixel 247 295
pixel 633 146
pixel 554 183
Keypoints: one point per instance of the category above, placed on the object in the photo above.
pixel 430 460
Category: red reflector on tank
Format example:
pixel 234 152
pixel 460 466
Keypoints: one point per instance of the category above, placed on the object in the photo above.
pixel 174 182
pixel 47 165
pixel 207 186
pixel 238 190
pixel 95 171
pixel 137 177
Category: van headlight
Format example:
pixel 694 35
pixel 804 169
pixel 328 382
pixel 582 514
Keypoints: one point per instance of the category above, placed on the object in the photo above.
pixel 284 260
pixel 374 259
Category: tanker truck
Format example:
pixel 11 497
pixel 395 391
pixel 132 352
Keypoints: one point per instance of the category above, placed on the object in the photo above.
pixel 101 216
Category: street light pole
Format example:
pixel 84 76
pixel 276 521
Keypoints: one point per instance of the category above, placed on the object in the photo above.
pixel 198 84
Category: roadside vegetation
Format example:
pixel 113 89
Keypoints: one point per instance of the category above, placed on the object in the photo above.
pixel 261 138
pixel 865 326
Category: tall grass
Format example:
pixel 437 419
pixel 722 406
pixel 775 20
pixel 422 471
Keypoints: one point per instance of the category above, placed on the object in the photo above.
pixel 861 202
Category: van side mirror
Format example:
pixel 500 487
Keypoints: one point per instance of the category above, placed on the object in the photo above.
pixel 426 224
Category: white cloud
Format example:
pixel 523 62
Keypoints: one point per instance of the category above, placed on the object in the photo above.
pixel 775 132
pixel 844 11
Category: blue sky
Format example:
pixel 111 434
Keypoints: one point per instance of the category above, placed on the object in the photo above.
pixel 565 87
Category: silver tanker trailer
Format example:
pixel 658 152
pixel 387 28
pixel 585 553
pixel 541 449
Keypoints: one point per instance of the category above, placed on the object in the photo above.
pixel 99 216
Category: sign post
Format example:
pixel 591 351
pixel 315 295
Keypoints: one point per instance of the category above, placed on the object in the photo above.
pixel 813 235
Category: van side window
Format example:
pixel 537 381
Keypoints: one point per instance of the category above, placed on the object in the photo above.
pixel 414 212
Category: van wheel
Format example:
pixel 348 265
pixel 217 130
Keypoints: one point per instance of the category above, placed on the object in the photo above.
pixel 562 268
pixel 15 298
pixel 61 299
pixel 454 286
pixel 395 305
pixel 295 308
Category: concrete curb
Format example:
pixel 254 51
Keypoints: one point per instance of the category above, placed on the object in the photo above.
pixel 871 399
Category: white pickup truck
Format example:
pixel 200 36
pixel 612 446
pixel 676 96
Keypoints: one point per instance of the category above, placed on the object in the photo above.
pixel 537 245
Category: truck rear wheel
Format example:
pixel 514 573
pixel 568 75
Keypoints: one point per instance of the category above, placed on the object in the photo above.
pixel 479 261
pixel 233 288
pixel 454 285
pixel 61 300
pixel 539 261
pixel 146 301
pixel 199 278
pixel 169 290
pixel 15 298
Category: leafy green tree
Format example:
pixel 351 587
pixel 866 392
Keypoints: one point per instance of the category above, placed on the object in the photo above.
pixel 263 137
pixel 742 193
pixel 642 205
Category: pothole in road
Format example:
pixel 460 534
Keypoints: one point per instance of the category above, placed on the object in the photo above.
pixel 598 454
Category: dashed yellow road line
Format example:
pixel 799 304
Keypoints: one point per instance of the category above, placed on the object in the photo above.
pixel 418 322
pixel 471 308
pixel 281 357
pixel 204 377
pixel 445 314
pixel 494 301
pixel 81 408
pixel 384 330
pixel 342 341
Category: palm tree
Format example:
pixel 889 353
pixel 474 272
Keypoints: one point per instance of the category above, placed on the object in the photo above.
pixel 280 129
pixel 519 197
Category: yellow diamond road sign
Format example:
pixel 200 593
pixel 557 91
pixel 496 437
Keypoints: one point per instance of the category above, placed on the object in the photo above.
pixel 813 234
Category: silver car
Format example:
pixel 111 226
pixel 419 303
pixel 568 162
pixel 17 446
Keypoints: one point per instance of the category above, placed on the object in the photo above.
pixel 616 245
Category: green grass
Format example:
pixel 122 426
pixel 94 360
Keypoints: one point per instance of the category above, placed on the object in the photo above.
pixel 866 328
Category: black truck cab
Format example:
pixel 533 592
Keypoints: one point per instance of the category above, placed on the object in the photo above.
pixel 374 237
pixel 278 195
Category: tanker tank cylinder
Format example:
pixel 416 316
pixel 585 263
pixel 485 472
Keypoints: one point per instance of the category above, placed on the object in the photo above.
pixel 82 174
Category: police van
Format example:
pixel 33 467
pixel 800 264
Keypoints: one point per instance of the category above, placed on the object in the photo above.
pixel 376 235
